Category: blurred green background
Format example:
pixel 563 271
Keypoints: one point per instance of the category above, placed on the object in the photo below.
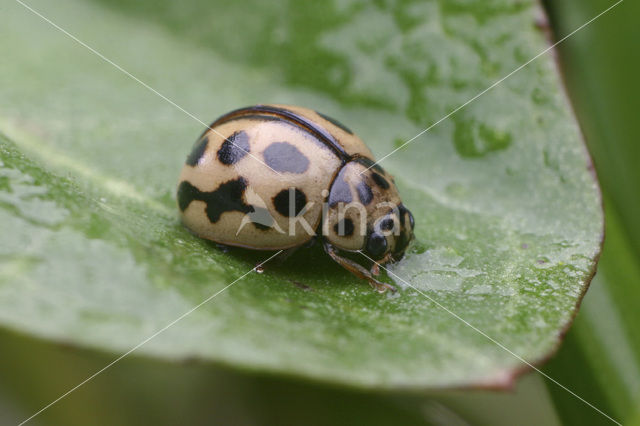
pixel 599 360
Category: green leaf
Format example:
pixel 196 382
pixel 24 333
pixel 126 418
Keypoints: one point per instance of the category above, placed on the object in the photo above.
pixel 601 358
pixel 508 217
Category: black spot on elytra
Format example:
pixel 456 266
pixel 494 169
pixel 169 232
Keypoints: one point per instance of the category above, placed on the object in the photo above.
pixel 344 228
pixel 364 193
pixel 386 224
pixel 261 218
pixel 380 181
pixel 340 191
pixel 234 148
pixel 376 245
pixel 283 206
pixel 197 152
pixel 186 194
pixel 284 157
pixel 368 163
pixel 227 197
pixel 335 122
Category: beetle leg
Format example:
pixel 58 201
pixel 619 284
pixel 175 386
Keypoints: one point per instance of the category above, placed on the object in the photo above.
pixel 357 270
pixel 375 268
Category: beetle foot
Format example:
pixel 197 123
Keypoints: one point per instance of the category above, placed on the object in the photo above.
pixel 375 269
pixel 358 270
pixel 381 287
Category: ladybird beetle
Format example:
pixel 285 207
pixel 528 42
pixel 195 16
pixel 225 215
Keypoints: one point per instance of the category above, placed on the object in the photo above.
pixel 270 177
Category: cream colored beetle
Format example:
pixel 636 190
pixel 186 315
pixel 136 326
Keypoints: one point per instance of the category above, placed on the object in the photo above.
pixel 317 180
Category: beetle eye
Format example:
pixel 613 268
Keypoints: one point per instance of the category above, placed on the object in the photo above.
pixel 376 245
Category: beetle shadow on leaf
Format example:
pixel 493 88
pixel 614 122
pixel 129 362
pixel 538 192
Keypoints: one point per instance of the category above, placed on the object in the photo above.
pixel 309 261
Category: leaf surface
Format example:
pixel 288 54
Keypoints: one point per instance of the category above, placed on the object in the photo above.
pixel 508 216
